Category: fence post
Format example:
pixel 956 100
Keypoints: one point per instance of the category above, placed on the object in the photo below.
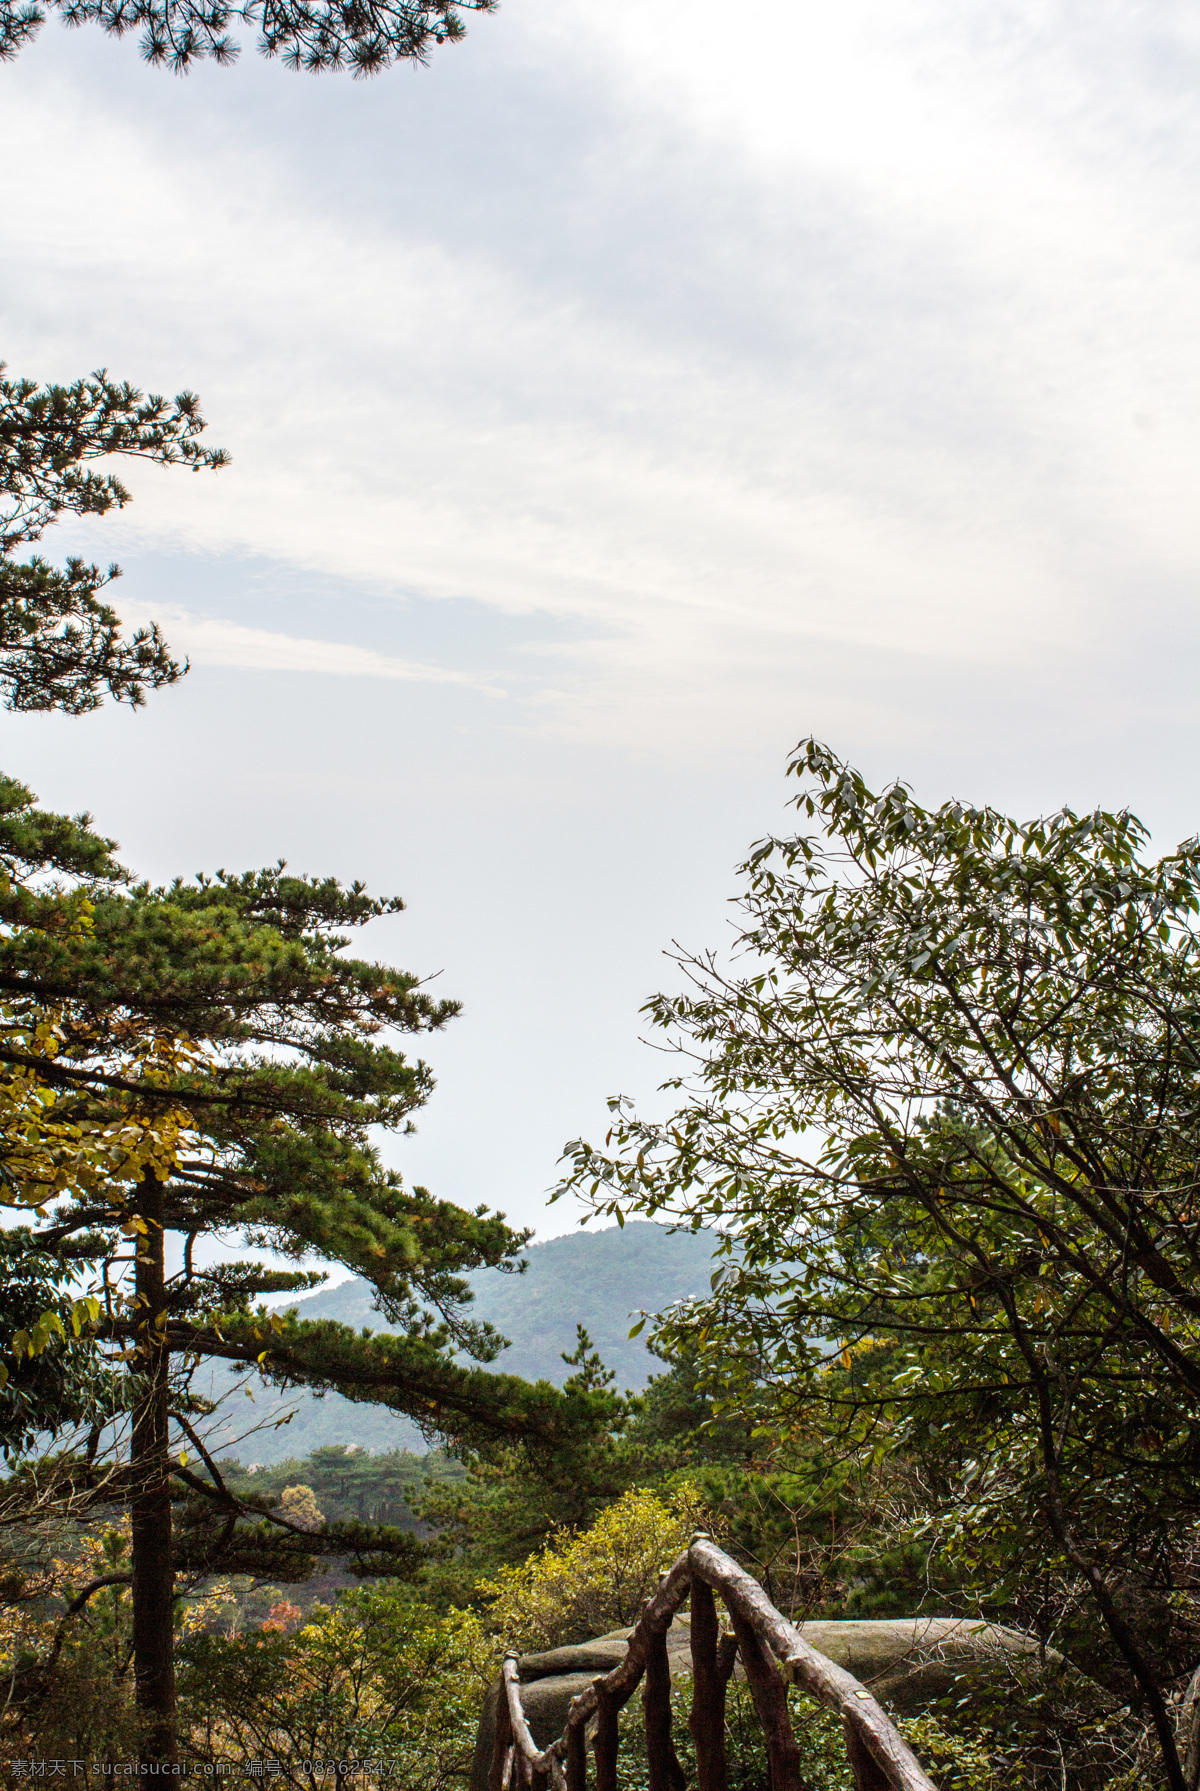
pixel 877 1755
pixel 866 1771
pixel 604 1742
pixel 665 1772
pixel 769 1691
pixel 502 1741
pixel 576 1757
pixel 707 1721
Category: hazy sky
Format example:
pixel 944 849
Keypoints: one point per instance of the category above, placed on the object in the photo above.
pixel 630 392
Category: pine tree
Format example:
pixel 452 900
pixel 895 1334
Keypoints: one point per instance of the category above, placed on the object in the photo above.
pixel 366 37
pixel 228 1008
pixel 189 1062
pixel 60 645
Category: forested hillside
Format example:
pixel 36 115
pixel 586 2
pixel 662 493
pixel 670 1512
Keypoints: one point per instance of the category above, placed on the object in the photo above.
pixel 594 1278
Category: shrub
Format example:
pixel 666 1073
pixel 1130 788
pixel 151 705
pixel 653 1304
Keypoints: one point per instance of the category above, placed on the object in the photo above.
pixel 379 1678
pixel 595 1580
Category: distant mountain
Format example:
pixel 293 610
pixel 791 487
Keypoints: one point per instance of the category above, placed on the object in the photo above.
pixel 599 1279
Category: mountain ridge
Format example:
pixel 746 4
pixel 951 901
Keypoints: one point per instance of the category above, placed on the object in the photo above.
pixel 600 1279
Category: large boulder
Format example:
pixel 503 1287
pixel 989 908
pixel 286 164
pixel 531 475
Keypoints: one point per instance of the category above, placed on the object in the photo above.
pixel 911 1662
pixel 907 1662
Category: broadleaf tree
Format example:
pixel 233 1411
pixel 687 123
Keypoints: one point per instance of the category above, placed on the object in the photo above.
pixel 943 1102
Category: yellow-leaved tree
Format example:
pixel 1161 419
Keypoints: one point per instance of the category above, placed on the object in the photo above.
pixel 586 1583
pixel 57 1143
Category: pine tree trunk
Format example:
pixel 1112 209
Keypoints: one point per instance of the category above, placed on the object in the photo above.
pixel 153 1578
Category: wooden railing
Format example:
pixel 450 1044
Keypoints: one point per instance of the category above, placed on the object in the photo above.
pixel 773 1654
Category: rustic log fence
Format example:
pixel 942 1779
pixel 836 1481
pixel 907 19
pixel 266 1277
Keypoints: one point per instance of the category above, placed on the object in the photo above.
pixel 773 1654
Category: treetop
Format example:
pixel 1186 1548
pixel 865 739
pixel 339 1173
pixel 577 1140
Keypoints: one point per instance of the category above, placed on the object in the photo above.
pixel 364 36
pixel 49 432
pixel 61 646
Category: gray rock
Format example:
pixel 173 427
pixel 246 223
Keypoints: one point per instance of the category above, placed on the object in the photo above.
pixel 907 1662
pixel 549 1681
pixel 910 1662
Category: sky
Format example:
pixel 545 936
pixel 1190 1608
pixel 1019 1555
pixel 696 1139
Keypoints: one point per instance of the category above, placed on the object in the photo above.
pixel 623 396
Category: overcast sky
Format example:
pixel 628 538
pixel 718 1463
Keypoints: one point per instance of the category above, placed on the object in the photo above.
pixel 633 390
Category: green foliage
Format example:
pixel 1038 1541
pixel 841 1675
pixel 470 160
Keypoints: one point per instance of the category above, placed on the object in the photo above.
pixel 514 1498
pixel 60 645
pixel 585 1584
pixel 176 33
pixel 516 1495
pixel 63 1382
pixel 960 1762
pixel 823 1764
pixel 202 1059
pixel 49 433
pixel 380 1677
pixel 676 1421
pixel 64 1642
pixel 1019 1721
pixel 950 1106
pixel 287 1071
pixel 598 1278
pixel 228 1062
pixel 959 1757
pixel 350 1483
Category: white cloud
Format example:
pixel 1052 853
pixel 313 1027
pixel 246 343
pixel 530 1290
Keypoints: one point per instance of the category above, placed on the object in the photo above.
pixel 932 390
pixel 812 366
pixel 208 640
